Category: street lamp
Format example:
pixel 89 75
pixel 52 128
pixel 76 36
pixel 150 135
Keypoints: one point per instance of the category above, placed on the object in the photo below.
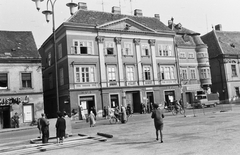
pixel 47 13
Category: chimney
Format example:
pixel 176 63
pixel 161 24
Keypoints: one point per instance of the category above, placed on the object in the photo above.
pixel 82 6
pixel 157 16
pixel 218 27
pixel 138 12
pixel 170 23
pixel 116 10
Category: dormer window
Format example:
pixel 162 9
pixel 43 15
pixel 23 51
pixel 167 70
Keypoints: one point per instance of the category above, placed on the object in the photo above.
pixel 232 45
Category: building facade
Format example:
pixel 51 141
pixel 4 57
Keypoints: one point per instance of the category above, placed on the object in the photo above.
pixel 110 59
pixel 194 67
pixel 224 49
pixel 20 78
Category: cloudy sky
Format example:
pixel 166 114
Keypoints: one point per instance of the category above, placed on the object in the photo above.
pixel 196 15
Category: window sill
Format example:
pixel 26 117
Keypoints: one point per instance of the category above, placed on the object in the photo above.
pixel 128 55
pixel 25 88
pixel 110 55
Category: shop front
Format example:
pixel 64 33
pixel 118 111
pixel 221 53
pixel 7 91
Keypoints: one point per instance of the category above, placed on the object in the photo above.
pixel 22 108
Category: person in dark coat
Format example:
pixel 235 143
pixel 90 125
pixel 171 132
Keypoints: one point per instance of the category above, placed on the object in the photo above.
pixel 158 116
pixel 60 127
pixel 44 126
pixel 94 112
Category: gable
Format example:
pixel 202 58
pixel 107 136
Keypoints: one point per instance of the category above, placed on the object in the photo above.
pixel 125 25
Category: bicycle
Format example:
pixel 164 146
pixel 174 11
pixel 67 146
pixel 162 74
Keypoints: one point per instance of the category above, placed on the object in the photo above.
pixel 176 110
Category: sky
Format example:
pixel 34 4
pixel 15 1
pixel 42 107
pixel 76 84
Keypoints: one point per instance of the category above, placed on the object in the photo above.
pixel 196 15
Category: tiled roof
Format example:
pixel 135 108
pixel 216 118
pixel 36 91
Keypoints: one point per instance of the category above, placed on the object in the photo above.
pixel 186 37
pixel 229 41
pixel 18 44
pixel 222 42
pixel 98 18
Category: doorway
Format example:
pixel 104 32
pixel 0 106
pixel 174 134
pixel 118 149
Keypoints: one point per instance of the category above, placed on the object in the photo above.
pixel 114 100
pixel 150 98
pixel 5 117
pixel 169 97
pixel 86 103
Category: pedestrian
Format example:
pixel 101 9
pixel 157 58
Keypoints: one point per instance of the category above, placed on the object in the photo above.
pixel 94 112
pixel 44 128
pixel 157 115
pixel 39 128
pixel 15 120
pixel 60 128
pixel 124 114
pixel 105 112
pixel 92 119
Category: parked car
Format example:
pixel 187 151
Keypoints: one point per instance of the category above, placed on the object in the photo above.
pixel 206 100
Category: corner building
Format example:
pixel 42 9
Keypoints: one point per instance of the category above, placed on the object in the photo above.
pixel 110 59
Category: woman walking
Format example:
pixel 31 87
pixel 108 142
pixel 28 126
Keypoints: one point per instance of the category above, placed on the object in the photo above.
pixel 92 119
pixel 60 127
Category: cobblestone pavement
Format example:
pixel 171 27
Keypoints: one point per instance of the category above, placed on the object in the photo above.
pixel 213 133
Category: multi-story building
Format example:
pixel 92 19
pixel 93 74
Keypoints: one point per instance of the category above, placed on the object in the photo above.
pixel 194 68
pixel 20 78
pixel 110 59
pixel 224 53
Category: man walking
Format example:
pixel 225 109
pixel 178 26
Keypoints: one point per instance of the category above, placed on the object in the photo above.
pixel 158 116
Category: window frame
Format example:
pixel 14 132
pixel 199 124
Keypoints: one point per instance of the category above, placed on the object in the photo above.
pixel 49 58
pixel 193 75
pixel 143 49
pixel 91 74
pixel 167 72
pixel 112 47
pixel 234 70
pixel 183 74
pixel 25 84
pixel 7 81
pixel 148 76
pixel 130 74
pixel 76 47
pixel 61 76
pixel 59 51
pixel 127 45
pixel 111 73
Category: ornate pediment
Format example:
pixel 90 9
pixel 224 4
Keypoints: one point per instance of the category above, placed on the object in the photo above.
pixel 125 24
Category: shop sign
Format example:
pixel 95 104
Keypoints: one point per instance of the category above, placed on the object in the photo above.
pixel 10 101
pixel 86 98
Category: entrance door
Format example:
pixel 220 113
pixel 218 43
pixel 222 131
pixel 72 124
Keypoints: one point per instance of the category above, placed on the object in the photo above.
pixel 114 101
pixel 150 97
pixel 5 119
pixel 169 97
pixel 86 102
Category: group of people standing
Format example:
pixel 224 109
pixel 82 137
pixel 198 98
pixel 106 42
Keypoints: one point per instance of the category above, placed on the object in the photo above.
pixel 43 126
pixel 146 108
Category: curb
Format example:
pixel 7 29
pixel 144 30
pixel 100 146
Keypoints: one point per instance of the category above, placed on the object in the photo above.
pixel 16 129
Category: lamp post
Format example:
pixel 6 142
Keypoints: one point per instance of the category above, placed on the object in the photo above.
pixel 47 13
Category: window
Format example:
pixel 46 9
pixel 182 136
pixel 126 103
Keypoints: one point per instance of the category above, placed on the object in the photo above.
pixel 50 81
pixel 182 55
pixel 109 48
pixel 205 73
pixel 59 51
pixel 145 50
pixel 49 59
pixel 82 47
pixel 193 73
pixel 167 72
pixel 111 73
pixel 26 80
pixel 165 50
pixel 127 50
pixel 183 74
pixel 84 74
pixel 190 55
pixel 130 73
pixel 147 72
pixel 61 77
pixel 3 81
pixel 234 70
pixel 237 91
